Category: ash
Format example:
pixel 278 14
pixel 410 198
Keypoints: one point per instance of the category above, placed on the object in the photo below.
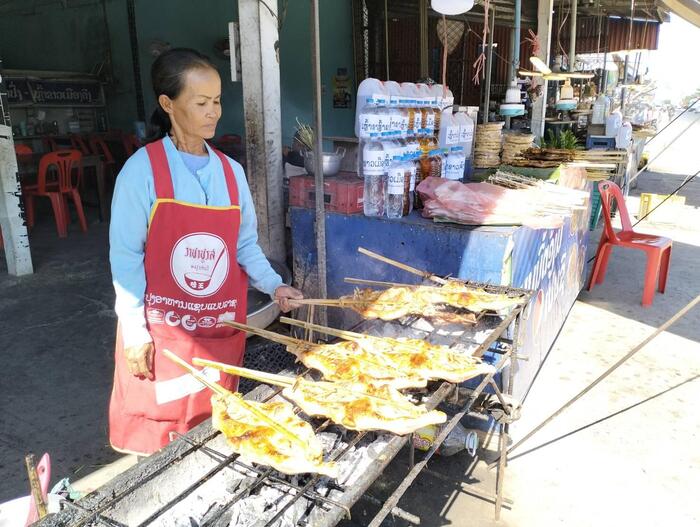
pixel 232 495
pixel 258 510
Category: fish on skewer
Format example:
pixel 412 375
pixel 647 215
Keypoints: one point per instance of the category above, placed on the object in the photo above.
pixel 428 301
pixel 343 361
pixel 268 433
pixel 354 405
pixel 423 358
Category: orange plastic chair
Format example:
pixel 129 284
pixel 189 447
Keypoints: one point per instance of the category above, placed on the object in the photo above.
pixel 23 150
pixel 657 248
pixel 57 185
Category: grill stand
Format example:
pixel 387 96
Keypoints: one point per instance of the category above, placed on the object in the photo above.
pixel 100 507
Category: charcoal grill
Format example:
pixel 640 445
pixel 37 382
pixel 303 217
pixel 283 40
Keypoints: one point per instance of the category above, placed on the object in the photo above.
pixel 196 480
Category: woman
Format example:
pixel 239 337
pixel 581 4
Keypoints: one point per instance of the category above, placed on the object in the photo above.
pixel 183 242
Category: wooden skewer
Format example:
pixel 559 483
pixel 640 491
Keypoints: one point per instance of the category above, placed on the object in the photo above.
pixel 35 486
pixel 379 283
pixel 320 301
pixel 260 376
pixel 282 381
pixel 402 266
pixel 216 388
pixel 352 336
pixel 234 397
pixel 270 335
pixel 347 335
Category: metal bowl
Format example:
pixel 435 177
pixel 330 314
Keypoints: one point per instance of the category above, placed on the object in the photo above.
pixel 262 311
pixel 331 162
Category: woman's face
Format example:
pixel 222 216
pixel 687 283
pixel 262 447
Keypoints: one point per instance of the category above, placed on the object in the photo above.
pixel 197 109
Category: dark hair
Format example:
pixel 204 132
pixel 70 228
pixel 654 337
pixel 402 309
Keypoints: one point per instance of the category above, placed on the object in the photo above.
pixel 167 76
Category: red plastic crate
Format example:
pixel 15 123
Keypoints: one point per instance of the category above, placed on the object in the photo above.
pixel 342 193
pixel 299 187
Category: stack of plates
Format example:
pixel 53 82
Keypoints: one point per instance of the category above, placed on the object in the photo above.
pixel 487 148
pixel 514 144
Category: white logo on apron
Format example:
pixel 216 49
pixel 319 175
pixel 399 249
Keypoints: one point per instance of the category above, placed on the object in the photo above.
pixel 199 263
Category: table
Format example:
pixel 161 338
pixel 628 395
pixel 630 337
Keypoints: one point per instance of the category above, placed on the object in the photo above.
pixel 29 165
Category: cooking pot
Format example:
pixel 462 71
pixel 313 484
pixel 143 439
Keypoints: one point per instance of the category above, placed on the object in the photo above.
pixel 331 161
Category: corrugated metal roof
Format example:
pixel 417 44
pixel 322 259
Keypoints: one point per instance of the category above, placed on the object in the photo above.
pixel 614 35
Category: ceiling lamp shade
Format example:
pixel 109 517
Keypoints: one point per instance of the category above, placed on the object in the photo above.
pixel 452 7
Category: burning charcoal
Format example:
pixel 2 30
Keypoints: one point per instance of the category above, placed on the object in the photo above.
pixel 355 463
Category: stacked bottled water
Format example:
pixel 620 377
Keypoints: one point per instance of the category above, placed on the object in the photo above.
pixel 396 124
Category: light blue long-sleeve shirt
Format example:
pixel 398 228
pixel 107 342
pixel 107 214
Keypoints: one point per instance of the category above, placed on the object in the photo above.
pixel 134 196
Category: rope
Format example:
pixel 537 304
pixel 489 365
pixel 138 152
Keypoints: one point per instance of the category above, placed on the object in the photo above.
pixel 481 59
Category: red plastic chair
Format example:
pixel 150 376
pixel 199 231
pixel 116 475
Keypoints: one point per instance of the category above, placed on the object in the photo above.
pixel 23 150
pixel 57 185
pixel 99 147
pixel 53 143
pixel 657 248
pixel 131 144
pixel 78 143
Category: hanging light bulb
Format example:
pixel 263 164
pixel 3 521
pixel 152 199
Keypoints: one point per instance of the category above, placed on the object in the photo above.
pixel 452 7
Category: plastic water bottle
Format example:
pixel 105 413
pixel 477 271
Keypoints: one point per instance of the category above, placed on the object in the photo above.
pixel 443 167
pixel 457 440
pixel 395 189
pixel 374 174
pixel 454 164
pixel 388 147
pixel 410 173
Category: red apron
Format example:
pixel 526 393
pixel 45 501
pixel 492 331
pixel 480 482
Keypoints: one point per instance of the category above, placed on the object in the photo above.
pixel 193 283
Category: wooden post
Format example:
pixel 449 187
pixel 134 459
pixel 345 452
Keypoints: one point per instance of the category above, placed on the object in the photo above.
pixel 12 225
pixel 544 36
pixel 263 120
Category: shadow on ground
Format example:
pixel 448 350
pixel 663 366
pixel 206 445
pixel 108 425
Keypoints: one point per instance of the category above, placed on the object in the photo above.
pixel 57 339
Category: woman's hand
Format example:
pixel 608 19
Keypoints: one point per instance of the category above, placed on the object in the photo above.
pixel 139 360
pixel 285 296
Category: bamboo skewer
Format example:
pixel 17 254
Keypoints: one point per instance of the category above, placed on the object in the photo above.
pixel 269 335
pixel 379 283
pixel 217 388
pixel 35 486
pixel 347 335
pixel 402 266
pixel 260 376
pixel 285 382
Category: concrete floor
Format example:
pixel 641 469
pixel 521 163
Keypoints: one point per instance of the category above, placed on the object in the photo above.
pixel 624 454
pixel 638 465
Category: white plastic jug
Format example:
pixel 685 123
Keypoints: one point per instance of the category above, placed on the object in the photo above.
pixel 449 129
pixel 371 92
pixel 600 109
pixel 613 122
pixel 624 135
pixel 393 90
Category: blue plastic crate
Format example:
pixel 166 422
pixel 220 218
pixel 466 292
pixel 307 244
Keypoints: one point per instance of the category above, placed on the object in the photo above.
pixel 600 141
